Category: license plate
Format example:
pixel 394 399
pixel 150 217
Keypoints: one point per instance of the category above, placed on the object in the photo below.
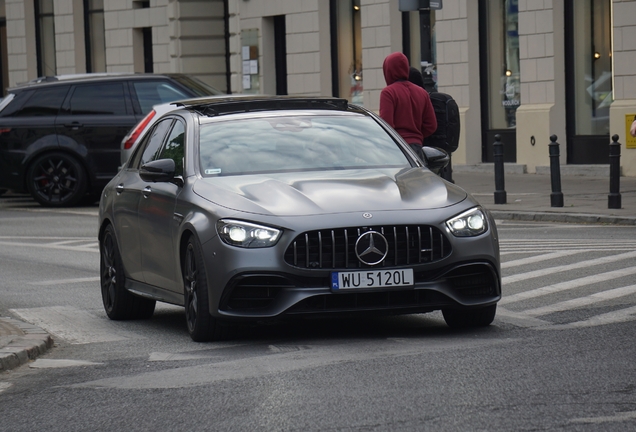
pixel 371 279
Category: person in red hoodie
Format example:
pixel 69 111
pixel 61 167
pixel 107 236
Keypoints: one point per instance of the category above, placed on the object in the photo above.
pixel 405 106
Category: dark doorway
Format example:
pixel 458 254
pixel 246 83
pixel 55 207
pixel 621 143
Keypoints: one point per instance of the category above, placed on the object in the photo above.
pixel 499 76
pixel 280 52
pixel 148 61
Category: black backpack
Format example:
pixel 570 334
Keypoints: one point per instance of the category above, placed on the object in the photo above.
pixel 446 136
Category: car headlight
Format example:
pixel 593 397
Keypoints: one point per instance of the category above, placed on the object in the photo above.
pixel 468 224
pixel 247 235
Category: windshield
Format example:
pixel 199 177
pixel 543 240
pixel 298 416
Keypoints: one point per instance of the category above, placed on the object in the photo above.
pixel 296 143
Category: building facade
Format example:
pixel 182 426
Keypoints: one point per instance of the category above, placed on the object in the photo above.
pixel 520 69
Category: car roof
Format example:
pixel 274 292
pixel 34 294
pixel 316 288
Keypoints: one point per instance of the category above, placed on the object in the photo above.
pixel 87 77
pixel 232 104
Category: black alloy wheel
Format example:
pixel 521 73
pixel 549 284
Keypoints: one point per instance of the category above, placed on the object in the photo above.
pixel 56 180
pixel 201 325
pixel 470 318
pixel 119 303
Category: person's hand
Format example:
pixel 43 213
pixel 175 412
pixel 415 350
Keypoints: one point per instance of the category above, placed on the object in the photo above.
pixel 632 131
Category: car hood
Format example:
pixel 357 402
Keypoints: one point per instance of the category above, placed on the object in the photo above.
pixel 328 192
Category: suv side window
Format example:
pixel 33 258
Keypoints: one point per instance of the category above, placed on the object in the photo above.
pixel 157 136
pixel 99 99
pixel 42 102
pixel 152 93
pixel 174 147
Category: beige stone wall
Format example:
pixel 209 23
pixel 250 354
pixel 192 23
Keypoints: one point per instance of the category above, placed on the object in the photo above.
pixel 542 110
pixel 21 52
pixel 381 35
pixel 457 32
pixel 624 69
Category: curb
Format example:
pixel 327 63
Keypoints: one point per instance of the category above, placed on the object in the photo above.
pixel 581 218
pixel 26 342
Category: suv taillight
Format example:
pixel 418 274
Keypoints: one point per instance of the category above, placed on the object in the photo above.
pixel 134 134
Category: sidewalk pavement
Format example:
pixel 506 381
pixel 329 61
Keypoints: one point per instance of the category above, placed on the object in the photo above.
pixel 585 200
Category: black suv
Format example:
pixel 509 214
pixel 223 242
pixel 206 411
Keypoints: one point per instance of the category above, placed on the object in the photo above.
pixel 60 136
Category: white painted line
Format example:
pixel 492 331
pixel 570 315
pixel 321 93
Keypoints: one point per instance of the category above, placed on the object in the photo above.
pixel 538 258
pixel 617 417
pixel 74 325
pixel 65 281
pixel 578 265
pixel 567 285
pixel 85 248
pixel 582 301
pixel 4 386
pixel 159 356
pixel 619 316
pixel 59 363
pixel 519 319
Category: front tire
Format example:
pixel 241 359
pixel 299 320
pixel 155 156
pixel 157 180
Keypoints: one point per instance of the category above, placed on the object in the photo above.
pixel 470 318
pixel 202 326
pixel 119 303
pixel 56 180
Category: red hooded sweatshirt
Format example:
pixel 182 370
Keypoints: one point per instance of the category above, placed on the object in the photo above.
pixel 405 106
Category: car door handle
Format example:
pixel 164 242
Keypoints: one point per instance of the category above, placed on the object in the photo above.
pixel 74 125
pixel 119 188
pixel 146 191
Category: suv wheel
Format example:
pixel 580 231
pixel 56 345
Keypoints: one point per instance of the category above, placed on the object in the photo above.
pixel 56 180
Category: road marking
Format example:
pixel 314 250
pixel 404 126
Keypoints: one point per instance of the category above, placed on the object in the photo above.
pixel 578 265
pixel 619 316
pixel 567 285
pixel 74 325
pixel 617 417
pixel 519 319
pixel 539 258
pixel 65 281
pixel 245 369
pixel 90 247
pixel 582 301
pixel 159 356
pixel 4 386
pixel 60 363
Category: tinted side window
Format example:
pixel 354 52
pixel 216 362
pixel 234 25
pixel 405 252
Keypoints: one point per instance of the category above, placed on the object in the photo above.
pixel 152 93
pixel 174 147
pixel 151 152
pixel 102 99
pixel 42 102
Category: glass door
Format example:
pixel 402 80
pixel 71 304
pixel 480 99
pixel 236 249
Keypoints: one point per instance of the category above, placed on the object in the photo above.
pixel 588 80
pixel 499 48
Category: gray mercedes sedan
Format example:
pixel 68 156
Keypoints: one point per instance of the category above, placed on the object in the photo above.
pixel 250 208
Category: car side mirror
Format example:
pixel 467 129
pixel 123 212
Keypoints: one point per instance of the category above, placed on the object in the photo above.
pixel 161 170
pixel 435 158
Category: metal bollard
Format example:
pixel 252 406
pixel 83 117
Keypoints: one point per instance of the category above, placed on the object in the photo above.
pixel 498 153
pixel 556 197
pixel 614 197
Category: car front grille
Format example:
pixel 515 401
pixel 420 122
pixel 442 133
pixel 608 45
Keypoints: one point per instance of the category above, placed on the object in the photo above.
pixel 335 248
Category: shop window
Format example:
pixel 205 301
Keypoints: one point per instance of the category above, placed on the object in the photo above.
pixel 346 50
pixel 418 37
pixel 45 37
pixel 95 36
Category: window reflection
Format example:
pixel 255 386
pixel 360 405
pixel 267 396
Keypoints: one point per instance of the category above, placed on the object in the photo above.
pixel 283 144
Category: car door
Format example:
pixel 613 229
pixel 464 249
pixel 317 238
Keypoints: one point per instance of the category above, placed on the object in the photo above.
pixel 27 128
pixel 129 194
pixel 94 119
pixel 158 227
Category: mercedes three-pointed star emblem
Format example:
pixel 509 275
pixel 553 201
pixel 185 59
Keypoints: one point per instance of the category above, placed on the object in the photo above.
pixel 372 248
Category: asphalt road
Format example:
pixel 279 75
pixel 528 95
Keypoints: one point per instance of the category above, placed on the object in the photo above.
pixel 559 356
